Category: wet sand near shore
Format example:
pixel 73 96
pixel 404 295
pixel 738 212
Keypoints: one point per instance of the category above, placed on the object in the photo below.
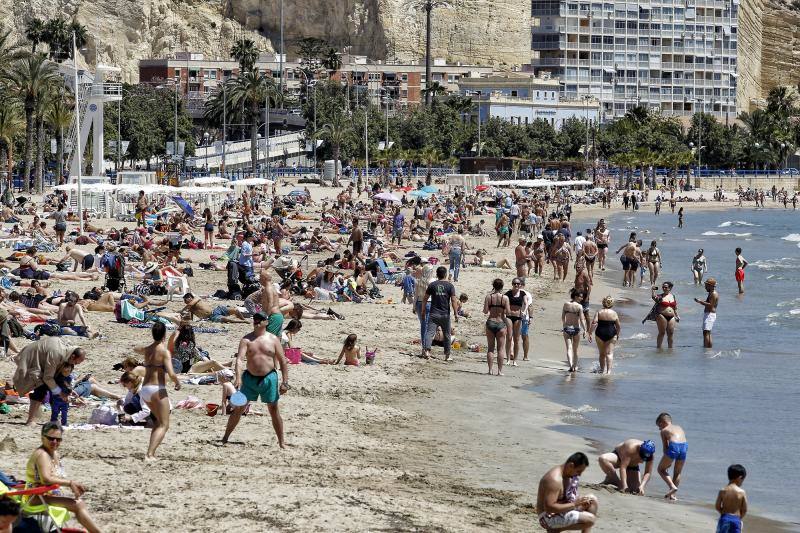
pixel 403 445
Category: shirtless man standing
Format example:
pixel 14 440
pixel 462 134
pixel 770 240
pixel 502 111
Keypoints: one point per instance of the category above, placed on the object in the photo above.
pixel 590 253
pixel 709 310
pixel 741 264
pixel 264 354
pixel 357 238
pixel 557 501
pixel 270 304
pixel 627 457
pixel 630 262
pixel 583 283
pixel 521 259
pixel 675 447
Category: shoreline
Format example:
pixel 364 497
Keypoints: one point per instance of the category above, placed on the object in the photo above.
pixel 534 422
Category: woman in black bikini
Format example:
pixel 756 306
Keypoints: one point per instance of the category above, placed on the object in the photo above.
pixel 496 306
pixel 208 229
pixel 606 329
pixel 653 262
pixel 571 322
pixel 516 301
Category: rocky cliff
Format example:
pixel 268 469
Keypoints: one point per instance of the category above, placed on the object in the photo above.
pixel 123 31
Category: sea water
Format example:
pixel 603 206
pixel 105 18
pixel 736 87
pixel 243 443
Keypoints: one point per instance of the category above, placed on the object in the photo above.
pixel 738 401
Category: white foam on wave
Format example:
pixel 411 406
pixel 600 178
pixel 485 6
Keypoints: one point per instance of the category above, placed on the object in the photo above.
pixel 725 234
pixel 694 240
pixel 784 263
pixel 727 354
pixel 638 337
pixel 792 237
pixel 730 223
pixel 794 312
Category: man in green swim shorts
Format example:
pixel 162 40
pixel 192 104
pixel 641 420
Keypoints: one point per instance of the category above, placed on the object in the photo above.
pixel 264 356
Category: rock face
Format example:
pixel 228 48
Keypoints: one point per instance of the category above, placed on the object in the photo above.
pixel 122 32
pixel 470 31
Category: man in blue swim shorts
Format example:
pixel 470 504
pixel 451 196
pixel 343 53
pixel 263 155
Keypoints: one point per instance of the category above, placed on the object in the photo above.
pixel 259 357
pixel 675 447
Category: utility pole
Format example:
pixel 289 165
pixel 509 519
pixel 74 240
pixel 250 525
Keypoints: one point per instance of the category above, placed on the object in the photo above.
pixel 78 130
pixel 428 9
pixel 175 151
pixel 281 58
pixel 224 127
pixel 119 133
pixel 315 127
pixel 266 125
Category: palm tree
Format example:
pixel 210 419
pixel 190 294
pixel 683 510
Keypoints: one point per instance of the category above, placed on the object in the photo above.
pixel 59 117
pixel 624 160
pixel 336 131
pixel 246 53
pixel 757 123
pixel 429 156
pixel 11 123
pixel 248 91
pixel 435 90
pixel 331 61
pixel 28 78
pixel 34 32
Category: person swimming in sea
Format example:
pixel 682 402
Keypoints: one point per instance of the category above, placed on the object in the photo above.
pixel 675 447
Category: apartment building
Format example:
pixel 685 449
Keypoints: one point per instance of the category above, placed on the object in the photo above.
pixel 677 56
pixel 395 84
pixel 521 98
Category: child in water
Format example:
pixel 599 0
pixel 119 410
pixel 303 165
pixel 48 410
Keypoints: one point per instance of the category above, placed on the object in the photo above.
pixel 732 501
pixel 350 351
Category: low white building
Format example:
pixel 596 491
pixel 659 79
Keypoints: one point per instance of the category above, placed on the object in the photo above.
pixel 521 99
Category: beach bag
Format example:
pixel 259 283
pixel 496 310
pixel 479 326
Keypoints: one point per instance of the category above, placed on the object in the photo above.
pixel 104 415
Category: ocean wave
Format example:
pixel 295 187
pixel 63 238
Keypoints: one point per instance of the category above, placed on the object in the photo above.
pixel 727 354
pixel 694 240
pixel 784 263
pixel 725 234
pixel 794 312
pixel 638 337
pixel 789 303
pixel 576 416
pixel 730 223
pixel 792 237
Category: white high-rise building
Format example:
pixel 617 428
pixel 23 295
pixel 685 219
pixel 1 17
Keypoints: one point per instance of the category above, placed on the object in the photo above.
pixel 678 56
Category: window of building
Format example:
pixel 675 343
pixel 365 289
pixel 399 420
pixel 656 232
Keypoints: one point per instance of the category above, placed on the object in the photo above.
pixel 403 77
pixel 514 94
pixel 177 73
pixel 619 24
pixel 537 95
pixel 403 93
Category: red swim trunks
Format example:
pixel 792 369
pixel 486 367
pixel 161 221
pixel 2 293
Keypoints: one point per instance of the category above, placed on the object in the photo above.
pixel 739 274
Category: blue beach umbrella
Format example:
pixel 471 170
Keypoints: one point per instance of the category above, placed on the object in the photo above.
pixel 429 188
pixel 183 204
pixel 419 194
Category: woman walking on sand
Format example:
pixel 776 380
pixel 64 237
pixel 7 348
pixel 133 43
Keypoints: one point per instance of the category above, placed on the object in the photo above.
pixel 606 329
pixel 157 364
pixel 572 324
pixel 497 307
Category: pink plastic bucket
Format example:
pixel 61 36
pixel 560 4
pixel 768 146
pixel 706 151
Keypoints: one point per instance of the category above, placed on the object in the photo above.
pixel 294 355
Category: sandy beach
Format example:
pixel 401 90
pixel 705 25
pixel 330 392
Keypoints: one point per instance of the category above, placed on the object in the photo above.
pixel 402 445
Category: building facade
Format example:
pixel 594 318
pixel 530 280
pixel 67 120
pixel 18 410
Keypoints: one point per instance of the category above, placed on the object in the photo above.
pixel 677 56
pixel 521 99
pixel 398 85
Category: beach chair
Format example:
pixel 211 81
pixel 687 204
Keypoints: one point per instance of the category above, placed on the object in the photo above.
pixel 35 507
pixel 388 275
pixel 176 282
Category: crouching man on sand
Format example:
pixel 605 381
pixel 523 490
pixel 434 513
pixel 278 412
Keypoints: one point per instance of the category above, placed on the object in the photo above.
pixel 558 504
pixel 264 355
pixel 626 458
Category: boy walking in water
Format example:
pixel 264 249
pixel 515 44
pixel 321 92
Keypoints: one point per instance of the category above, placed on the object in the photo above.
pixel 732 501
pixel 741 264
pixel 675 447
